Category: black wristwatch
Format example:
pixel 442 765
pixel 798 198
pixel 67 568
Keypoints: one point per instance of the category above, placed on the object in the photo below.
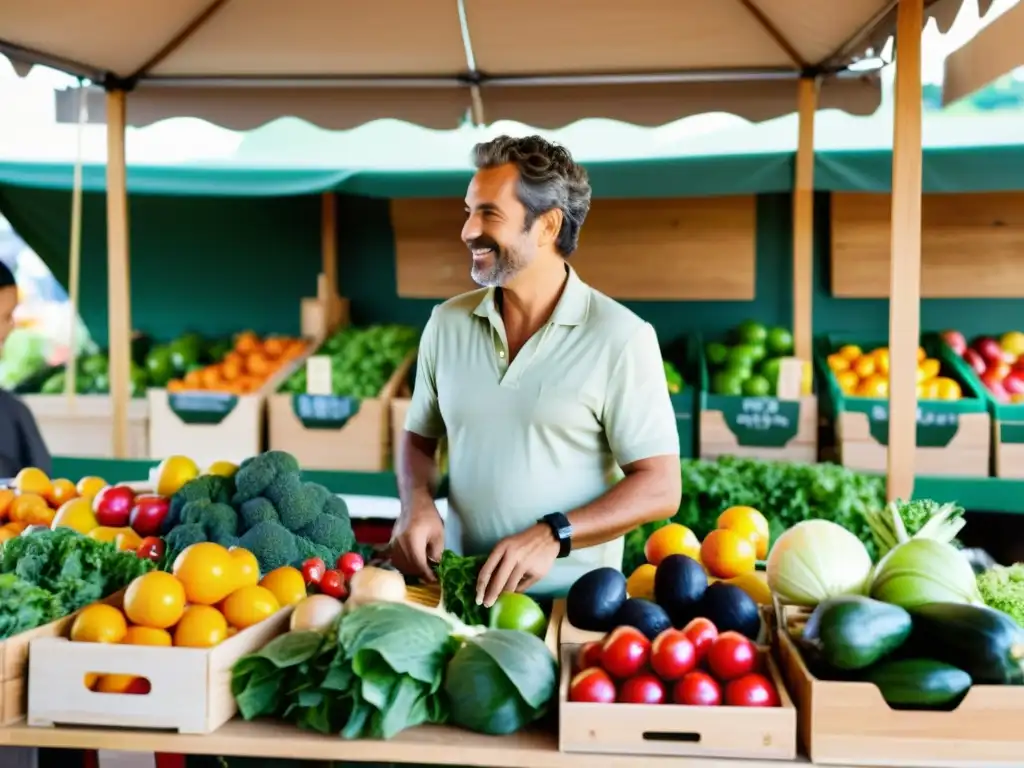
pixel 562 530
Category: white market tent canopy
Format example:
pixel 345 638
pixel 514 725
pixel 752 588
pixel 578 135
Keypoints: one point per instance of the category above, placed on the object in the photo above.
pixel 338 63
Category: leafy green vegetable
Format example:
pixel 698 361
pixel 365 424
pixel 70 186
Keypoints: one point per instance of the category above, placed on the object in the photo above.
pixel 257 679
pixel 457 576
pixel 500 681
pixel 901 521
pixel 786 493
pixel 1002 588
pixel 24 606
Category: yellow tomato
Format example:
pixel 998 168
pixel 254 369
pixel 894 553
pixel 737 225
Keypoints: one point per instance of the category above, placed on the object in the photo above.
pixel 104 533
pixel 155 600
pixel 748 523
pixel 247 569
pixel 208 572
pixel 222 468
pixel 851 352
pixel 250 605
pixel 174 472
pixel 848 381
pixel 122 684
pixel 873 386
pixel 947 389
pixel 99 623
pixel 921 354
pixel 755 585
pixel 671 539
pixel 928 390
pixel 89 487
pixel 127 540
pixel 641 582
pixel 61 491
pixel 32 480
pixel 147 636
pixel 726 554
pixel 865 366
pixel 77 515
pixel 838 363
pixel 881 357
pixel 200 627
pixel 287 585
pixel 927 369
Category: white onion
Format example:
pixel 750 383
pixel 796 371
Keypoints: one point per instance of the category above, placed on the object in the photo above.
pixel 815 560
pixel 316 612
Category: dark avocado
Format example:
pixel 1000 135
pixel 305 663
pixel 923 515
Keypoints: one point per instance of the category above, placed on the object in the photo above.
pixel 679 585
pixel 650 618
pixel 731 610
pixel 595 598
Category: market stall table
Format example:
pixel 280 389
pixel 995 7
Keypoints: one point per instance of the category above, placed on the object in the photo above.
pixel 428 745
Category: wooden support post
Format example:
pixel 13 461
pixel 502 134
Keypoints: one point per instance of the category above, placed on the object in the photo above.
pixel 905 270
pixel 803 220
pixel 118 282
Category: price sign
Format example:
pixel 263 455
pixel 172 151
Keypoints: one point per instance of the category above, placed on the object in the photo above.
pixel 318 375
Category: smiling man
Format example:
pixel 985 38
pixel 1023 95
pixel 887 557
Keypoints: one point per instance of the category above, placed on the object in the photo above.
pixel 544 388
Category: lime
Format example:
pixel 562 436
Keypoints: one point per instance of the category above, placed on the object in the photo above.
pixel 716 353
pixel 759 352
pixel 727 383
pixel 742 356
pixel 515 611
pixel 751 332
pixel 757 386
pixel 158 364
pixel 779 342
pixel 770 370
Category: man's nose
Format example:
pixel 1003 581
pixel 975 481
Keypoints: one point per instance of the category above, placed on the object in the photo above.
pixel 471 229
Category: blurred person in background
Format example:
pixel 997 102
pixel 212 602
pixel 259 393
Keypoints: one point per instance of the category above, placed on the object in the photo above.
pixel 21 445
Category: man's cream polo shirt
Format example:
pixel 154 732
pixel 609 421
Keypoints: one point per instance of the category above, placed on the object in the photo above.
pixel 584 396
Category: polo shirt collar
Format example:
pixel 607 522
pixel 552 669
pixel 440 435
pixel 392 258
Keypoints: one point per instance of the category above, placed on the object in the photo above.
pixel 572 307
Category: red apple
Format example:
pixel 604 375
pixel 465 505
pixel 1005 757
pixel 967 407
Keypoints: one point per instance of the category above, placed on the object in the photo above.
pixel 147 516
pixel 1014 383
pixel 113 506
pixel 990 350
pixel 955 340
pixel 974 359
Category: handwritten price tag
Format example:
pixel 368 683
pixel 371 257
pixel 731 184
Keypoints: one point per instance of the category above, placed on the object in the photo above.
pixel 318 375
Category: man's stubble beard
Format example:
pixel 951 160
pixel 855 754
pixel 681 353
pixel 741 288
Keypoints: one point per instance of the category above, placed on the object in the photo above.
pixel 505 265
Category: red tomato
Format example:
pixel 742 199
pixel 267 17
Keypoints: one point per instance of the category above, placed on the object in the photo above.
pixel 702 633
pixel 332 583
pixel 592 685
pixel 672 655
pixel 147 516
pixel 731 656
pixel 151 548
pixel 589 655
pixel 625 652
pixel 313 570
pixel 349 563
pixel 644 688
pixel 751 690
pixel 698 689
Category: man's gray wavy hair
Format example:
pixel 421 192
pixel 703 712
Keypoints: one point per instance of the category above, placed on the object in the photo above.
pixel 548 178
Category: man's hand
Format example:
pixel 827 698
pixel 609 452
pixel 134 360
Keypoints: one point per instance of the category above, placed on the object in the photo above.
pixel 517 563
pixel 418 540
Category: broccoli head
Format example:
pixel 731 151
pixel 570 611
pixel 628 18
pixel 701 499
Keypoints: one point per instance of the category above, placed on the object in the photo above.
pixel 254 477
pixel 194 512
pixel 330 532
pixel 308 549
pixel 180 538
pixel 335 506
pixel 220 522
pixel 256 511
pixel 272 544
pixel 212 488
pixel 296 505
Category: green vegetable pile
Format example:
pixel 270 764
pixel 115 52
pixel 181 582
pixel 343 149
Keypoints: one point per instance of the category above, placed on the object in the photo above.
pixel 386 667
pixel 267 509
pixel 787 493
pixel 1002 588
pixel 362 360
pixel 457 576
pixel 49 574
pixel 900 521
pixel 749 364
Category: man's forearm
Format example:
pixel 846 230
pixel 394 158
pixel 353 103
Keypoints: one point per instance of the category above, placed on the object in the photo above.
pixel 650 491
pixel 417 471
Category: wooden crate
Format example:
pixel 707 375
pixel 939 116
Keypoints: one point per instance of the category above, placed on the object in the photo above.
pixel 847 723
pixel 190 687
pixel 213 426
pixel 84 425
pixel 766 733
pixel 759 427
pixel 337 433
pixel 14 655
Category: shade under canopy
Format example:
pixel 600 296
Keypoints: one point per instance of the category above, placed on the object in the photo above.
pixel 339 63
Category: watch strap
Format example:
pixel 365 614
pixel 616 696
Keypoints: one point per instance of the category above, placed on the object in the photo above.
pixel 561 528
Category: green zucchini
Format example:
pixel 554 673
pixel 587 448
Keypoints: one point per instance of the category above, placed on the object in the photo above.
pixel 919 683
pixel 984 642
pixel 854 632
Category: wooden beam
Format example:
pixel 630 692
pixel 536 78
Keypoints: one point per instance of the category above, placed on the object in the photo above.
pixel 118 280
pixel 905 265
pixel 803 220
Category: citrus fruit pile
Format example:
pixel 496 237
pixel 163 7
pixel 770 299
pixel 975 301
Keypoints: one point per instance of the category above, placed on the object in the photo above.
pixel 750 364
pixel 211 594
pixel 246 368
pixel 35 499
pixel 728 553
pixel 866 374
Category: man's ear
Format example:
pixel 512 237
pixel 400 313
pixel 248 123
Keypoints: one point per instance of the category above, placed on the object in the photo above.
pixel 548 225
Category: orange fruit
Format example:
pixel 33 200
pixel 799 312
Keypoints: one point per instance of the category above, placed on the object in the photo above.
pixel 873 386
pixel 928 369
pixel 200 627
pixel 155 599
pixel 174 472
pixel 91 678
pixel 641 582
pixel 31 509
pixel 947 389
pixel 208 572
pixel 77 515
pixel 247 342
pixel 850 351
pixel 122 684
pixel 921 354
pixel 750 524
pixel 6 497
pixel 275 347
pixel 250 605
pixel 99 623
pixel 726 554
pixel 838 363
pixel 32 480
pixel 89 487
pixel 864 366
pixel 287 585
pixel 6 534
pixel 881 361
pixel 127 540
pixel 16 527
pixel 848 381
pixel 671 539
pixel 247 569
pixel 61 490
pixel 147 636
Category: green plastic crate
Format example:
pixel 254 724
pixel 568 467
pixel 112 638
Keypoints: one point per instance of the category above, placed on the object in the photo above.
pixel 683 353
pixel 755 427
pixel 953 436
